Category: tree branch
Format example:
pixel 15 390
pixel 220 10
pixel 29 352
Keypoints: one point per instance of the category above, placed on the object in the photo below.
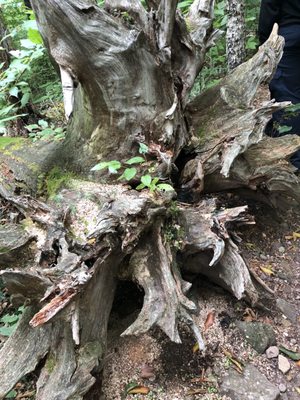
pixel 166 15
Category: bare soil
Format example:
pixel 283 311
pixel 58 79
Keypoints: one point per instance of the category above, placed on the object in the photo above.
pixel 182 374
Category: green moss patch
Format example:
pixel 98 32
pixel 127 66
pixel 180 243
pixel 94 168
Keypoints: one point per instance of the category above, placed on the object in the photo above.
pixel 57 179
pixel 14 142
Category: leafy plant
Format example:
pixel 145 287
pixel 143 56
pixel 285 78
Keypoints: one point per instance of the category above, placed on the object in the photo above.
pixel 23 81
pixel 147 181
pixel 9 322
pixel 42 130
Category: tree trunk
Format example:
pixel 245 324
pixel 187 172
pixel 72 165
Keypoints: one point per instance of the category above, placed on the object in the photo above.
pixel 5 44
pixel 127 81
pixel 235 33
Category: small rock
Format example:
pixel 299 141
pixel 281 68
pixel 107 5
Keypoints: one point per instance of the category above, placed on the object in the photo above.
pixel 259 335
pixel 263 257
pixel 282 388
pixel 272 352
pixel 281 249
pixel 252 385
pixel 293 341
pixel 283 364
pixel 287 309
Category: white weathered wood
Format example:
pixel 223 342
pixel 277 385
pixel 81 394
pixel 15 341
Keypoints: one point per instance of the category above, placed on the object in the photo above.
pixel 166 14
pixel 68 90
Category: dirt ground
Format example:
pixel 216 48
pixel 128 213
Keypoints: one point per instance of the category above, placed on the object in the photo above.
pixel 271 248
pixel 171 371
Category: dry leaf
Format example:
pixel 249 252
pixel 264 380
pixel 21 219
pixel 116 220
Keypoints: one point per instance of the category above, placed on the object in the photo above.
pixel 297 389
pixel 267 270
pixel 236 364
pixel 294 236
pixel 92 241
pixel 139 390
pixel 298 364
pixel 191 392
pixel 210 319
pixel 195 348
pixel 249 315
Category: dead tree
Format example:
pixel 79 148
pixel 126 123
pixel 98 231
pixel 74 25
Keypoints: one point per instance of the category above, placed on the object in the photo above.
pixel 127 73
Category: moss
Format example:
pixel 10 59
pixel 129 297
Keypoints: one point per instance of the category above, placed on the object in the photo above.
pixel 50 363
pixel 14 142
pixel 56 179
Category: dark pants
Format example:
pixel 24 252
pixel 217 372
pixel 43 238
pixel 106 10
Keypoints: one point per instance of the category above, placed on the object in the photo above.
pixel 285 86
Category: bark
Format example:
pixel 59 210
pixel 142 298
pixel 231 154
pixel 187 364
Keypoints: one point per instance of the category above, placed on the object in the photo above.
pixel 235 33
pixel 5 43
pixel 128 83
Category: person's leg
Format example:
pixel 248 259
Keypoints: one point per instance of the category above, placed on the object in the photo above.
pixel 285 86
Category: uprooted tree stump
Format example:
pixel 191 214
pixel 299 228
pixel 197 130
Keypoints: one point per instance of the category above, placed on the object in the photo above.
pixel 127 81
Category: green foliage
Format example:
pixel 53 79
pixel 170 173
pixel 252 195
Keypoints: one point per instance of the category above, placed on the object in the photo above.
pixel 147 181
pixel 8 322
pixel 216 63
pixel 42 130
pixel 11 395
pixel 23 81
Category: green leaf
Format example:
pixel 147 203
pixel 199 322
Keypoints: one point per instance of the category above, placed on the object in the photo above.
pixel 113 166
pixel 140 186
pixel 291 354
pixel 6 110
pixel 32 127
pixel 135 160
pixel 25 98
pixel 11 395
pixel 14 91
pixel 34 36
pixel 284 128
pixel 154 181
pixel 165 187
pixel 100 166
pixel 43 123
pixel 129 173
pixel 10 319
pixel 2 120
pixel 130 386
pixel 146 180
pixel 7 330
pixel 143 148
pixel 27 44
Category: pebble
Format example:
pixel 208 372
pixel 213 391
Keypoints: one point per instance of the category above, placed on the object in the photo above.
pixel 283 364
pixel 263 257
pixel 281 249
pixel 293 341
pixel 272 352
pixel 282 388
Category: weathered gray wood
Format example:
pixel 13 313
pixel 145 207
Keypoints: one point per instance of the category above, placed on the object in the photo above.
pixel 229 124
pixel 209 249
pixel 165 303
pixel 22 352
pixel 131 83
